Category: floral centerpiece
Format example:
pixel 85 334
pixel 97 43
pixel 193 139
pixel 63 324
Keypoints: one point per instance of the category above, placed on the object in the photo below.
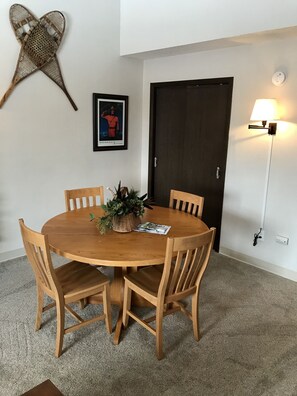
pixel 123 211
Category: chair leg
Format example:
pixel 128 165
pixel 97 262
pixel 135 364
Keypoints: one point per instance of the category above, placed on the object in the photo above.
pixel 82 303
pixel 159 332
pixel 107 307
pixel 126 304
pixel 39 308
pixel 195 315
pixel 60 327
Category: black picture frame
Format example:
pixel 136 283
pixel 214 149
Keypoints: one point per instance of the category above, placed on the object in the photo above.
pixel 110 122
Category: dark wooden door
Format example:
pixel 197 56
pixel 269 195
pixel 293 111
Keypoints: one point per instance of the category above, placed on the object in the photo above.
pixel 189 125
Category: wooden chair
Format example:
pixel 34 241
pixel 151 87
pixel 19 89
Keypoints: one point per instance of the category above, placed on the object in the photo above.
pixel 186 259
pixel 84 197
pixel 66 284
pixel 186 202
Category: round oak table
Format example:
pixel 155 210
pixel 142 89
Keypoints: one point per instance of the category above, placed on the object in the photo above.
pixel 74 236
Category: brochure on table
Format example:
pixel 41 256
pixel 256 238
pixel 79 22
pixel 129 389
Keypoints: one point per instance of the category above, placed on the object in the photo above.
pixel 153 228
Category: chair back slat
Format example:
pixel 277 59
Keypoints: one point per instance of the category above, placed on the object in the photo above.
pixel 189 270
pixel 194 209
pixel 185 263
pixel 37 251
pixel 186 202
pixel 38 258
pixel 193 274
pixel 183 270
pixel 84 198
pixel 184 205
pixel 174 275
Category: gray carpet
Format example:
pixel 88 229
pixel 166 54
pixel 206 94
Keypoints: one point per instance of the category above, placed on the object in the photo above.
pixel 248 345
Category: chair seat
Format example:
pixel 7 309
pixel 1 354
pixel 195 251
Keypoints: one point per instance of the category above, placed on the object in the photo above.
pixel 147 279
pixel 75 277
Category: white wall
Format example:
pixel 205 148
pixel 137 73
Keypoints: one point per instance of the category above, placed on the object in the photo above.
pixel 151 29
pixel 252 68
pixel 46 146
pixel 150 25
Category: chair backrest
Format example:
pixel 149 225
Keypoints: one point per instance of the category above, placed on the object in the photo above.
pixel 186 202
pixel 37 250
pixel 84 197
pixel 185 263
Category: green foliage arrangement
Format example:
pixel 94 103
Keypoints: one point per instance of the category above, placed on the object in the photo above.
pixel 124 202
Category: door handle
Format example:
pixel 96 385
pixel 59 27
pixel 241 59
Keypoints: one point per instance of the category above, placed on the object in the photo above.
pixel 218 172
pixel 155 162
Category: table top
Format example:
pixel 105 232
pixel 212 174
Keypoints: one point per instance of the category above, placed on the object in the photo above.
pixel 74 236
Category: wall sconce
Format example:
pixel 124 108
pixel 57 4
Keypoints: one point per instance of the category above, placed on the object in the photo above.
pixel 265 110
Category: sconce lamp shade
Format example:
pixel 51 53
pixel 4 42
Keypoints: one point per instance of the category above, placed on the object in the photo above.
pixel 265 110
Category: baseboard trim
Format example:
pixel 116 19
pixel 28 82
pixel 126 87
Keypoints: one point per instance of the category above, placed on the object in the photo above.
pixel 264 265
pixel 12 254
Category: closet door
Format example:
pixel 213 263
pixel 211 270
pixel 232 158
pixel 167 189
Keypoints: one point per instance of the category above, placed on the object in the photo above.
pixel 189 126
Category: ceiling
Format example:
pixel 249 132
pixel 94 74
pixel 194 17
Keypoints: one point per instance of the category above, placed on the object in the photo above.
pixel 247 39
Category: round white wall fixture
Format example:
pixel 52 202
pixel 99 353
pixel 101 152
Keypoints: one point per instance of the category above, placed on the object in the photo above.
pixel 278 78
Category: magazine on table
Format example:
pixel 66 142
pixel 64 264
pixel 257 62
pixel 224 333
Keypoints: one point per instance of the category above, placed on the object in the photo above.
pixel 153 228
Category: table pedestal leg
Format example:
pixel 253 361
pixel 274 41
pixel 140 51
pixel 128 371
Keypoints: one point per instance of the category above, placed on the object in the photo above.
pixel 117 296
pixel 116 291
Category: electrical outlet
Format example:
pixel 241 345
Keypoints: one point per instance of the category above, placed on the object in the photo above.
pixel 282 240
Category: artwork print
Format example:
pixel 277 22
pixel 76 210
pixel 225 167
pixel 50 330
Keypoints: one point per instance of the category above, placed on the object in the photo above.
pixel 110 113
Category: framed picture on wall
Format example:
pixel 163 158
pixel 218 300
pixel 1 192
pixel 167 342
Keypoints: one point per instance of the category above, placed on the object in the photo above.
pixel 110 122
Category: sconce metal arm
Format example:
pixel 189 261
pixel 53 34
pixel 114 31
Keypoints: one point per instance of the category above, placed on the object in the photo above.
pixel 271 127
